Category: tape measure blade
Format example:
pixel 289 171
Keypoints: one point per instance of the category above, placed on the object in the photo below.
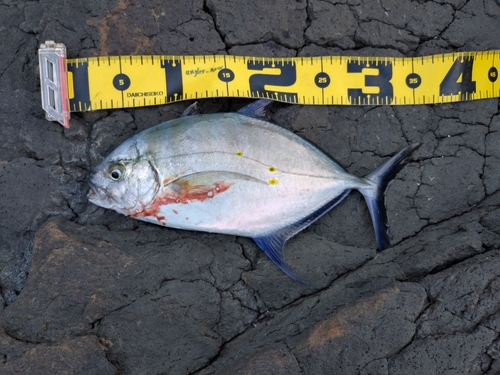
pixel 133 81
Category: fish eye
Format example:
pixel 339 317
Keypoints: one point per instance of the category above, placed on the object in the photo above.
pixel 116 172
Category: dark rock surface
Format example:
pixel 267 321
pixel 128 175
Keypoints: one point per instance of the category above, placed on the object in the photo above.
pixel 85 290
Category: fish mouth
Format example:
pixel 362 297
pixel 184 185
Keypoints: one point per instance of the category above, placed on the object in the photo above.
pixel 96 193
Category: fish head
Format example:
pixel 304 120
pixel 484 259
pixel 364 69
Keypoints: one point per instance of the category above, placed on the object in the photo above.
pixel 125 181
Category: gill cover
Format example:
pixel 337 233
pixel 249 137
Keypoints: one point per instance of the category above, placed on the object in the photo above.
pixel 124 181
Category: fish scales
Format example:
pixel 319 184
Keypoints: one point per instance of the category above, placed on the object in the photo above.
pixel 234 173
pixel 246 144
pixel 274 176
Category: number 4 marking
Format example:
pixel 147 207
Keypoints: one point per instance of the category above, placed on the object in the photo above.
pixel 458 80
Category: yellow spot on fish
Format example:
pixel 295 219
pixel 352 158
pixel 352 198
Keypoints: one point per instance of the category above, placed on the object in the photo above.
pixel 239 153
pixel 272 169
pixel 272 181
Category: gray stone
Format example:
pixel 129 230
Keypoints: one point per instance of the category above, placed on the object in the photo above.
pixel 492 160
pixel 331 24
pixel 65 294
pixel 460 174
pixel 474 28
pixel 447 354
pixel 260 21
pixel 350 351
pixel 268 49
pixel 84 355
pixel 201 37
pixel 86 290
pixel 273 360
pixel 170 331
pixel 377 34
pixel 463 296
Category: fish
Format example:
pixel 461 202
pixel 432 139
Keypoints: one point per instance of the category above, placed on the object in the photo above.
pixel 237 174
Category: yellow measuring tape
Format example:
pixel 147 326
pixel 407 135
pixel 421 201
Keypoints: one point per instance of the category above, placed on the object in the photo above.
pixel 109 82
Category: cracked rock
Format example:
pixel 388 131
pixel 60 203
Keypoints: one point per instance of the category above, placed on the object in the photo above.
pixel 84 290
pixel 442 174
pixel 331 24
pixel 378 34
pixel 448 354
pixel 260 21
pixel 171 331
pixel 82 355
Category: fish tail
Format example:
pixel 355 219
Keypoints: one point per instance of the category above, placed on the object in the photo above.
pixel 375 195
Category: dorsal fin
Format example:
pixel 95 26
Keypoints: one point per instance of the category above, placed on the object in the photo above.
pixel 256 109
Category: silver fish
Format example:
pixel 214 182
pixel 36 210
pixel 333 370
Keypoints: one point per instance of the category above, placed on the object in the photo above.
pixel 234 173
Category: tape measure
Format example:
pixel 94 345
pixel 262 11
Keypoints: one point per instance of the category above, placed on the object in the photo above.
pixel 109 82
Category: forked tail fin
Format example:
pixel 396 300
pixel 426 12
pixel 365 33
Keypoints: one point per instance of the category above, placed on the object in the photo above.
pixel 272 244
pixel 375 196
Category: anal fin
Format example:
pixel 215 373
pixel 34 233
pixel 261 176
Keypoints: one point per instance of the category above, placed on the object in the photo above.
pixel 273 244
pixel 273 247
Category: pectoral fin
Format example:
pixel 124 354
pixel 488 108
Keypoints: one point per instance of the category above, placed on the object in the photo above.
pixel 210 178
pixel 201 186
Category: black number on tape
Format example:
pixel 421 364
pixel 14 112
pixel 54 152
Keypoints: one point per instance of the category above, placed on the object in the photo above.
pixel 493 74
pixel 287 77
pixel 458 80
pixel 226 75
pixel 413 80
pixel 80 85
pixel 173 77
pixel 382 81
pixel 322 80
pixel 121 82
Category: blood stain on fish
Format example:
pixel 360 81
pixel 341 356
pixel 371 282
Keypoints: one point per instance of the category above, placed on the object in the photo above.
pixel 185 194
